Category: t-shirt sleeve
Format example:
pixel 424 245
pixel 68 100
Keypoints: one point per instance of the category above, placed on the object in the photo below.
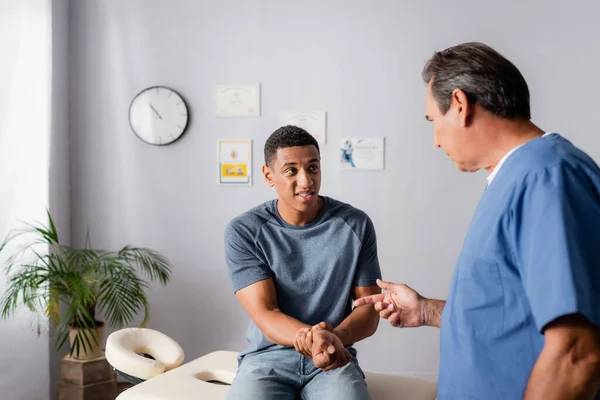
pixel 243 261
pixel 367 270
pixel 558 244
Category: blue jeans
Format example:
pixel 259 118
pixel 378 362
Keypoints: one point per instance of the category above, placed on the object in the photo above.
pixel 287 375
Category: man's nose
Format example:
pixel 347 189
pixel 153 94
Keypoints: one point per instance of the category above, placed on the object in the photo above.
pixel 304 179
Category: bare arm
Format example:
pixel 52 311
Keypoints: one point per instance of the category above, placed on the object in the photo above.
pixel 362 321
pixel 260 302
pixel 431 310
pixel 360 324
pixel 569 365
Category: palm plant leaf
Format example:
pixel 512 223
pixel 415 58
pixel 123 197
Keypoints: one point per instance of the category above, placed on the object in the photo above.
pixel 121 294
pixel 154 264
pixel 43 274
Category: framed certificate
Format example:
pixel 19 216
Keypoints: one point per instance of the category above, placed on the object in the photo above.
pixel 367 153
pixel 237 100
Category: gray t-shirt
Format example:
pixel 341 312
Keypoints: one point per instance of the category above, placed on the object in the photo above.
pixel 314 267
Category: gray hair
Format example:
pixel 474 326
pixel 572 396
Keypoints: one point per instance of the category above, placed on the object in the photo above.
pixel 486 77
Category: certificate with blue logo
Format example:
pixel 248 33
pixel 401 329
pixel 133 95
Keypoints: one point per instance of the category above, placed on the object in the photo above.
pixel 365 153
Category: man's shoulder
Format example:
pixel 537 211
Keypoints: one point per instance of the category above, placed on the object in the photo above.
pixel 349 213
pixel 251 221
pixel 556 154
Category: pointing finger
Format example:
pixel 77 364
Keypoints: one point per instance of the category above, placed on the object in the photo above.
pixel 369 299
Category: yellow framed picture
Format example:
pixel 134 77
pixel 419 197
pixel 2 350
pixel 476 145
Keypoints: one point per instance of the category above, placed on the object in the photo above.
pixel 235 161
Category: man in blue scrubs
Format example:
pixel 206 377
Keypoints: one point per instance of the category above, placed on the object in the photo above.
pixel 522 317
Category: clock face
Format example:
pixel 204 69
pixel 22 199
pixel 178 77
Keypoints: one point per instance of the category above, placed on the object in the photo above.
pixel 158 115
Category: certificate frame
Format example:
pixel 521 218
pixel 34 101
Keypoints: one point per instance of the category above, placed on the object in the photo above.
pixel 237 100
pixel 362 153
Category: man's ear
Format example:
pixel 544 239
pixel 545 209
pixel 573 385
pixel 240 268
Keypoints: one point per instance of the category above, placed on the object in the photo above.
pixel 268 175
pixel 460 103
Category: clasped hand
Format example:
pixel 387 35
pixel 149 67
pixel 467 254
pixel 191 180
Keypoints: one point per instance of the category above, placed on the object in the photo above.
pixel 322 345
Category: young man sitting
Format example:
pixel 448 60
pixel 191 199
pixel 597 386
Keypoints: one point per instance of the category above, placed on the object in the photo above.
pixel 296 263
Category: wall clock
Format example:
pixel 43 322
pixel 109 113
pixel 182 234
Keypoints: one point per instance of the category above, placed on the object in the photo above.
pixel 158 115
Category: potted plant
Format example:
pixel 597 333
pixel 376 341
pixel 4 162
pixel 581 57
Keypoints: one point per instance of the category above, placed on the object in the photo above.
pixel 68 285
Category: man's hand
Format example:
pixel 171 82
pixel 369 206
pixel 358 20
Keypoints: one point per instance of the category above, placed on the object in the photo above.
pixel 323 325
pixel 303 342
pixel 328 351
pixel 401 306
pixel 323 346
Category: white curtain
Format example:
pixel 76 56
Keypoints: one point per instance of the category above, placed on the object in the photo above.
pixel 25 121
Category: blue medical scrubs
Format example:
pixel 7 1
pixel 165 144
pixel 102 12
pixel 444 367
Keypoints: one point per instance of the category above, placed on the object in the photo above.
pixel 531 255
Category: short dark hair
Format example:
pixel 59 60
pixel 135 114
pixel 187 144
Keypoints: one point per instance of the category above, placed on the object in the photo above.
pixel 287 136
pixel 486 77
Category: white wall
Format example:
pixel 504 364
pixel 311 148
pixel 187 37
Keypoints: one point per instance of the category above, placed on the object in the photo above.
pixel 60 193
pixel 25 90
pixel 360 61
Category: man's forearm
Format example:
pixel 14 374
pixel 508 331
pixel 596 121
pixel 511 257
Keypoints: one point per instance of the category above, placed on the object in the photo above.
pixel 563 376
pixel 360 324
pixel 431 310
pixel 279 328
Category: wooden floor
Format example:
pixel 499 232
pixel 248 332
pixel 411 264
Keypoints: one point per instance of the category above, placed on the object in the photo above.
pixel 121 386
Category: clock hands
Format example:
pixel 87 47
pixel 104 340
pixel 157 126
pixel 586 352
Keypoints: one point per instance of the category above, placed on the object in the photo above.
pixel 156 112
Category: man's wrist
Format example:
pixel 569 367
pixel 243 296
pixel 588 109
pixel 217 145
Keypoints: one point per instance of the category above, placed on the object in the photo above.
pixel 322 325
pixel 340 333
pixel 431 312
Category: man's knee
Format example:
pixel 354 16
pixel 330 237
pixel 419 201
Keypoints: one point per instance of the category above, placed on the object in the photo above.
pixel 258 381
pixel 259 387
pixel 342 383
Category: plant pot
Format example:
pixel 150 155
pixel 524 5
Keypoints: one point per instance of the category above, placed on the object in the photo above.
pixel 89 353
